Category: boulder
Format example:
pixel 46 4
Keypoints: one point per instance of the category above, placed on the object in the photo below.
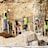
pixel 32 37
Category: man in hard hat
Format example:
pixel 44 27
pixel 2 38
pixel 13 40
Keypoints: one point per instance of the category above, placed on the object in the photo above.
pixel 4 15
pixel 37 24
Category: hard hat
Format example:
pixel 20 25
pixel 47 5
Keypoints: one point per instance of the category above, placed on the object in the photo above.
pixel 9 10
pixel 36 18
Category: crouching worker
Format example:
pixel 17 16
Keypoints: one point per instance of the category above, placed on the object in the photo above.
pixel 17 27
pixel 46 27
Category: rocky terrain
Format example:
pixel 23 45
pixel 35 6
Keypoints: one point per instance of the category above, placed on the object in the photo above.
pixel 18 9
pixel 22 39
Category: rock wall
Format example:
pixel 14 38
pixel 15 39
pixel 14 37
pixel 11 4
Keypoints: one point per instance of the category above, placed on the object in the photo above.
pixel 22 8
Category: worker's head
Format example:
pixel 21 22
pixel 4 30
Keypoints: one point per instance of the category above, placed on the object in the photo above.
pixel 26 16
pixel 8 10
pixel 23 16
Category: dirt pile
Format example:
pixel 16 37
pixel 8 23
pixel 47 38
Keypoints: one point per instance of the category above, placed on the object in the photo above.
pixel 5 35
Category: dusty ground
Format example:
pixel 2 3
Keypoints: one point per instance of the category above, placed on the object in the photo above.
pixel 20 40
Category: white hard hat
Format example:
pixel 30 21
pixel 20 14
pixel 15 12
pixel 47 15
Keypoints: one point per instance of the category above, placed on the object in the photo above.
pixel 36 18
pixel 8 10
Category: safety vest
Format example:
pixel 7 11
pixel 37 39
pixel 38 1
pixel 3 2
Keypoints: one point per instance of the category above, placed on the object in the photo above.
pixel 3 15
pixel 46 26
pixel 25 21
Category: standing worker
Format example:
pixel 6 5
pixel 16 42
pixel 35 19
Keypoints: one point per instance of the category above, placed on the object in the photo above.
pixel 10 27
pixel 37 24
pixel 25 23
pixel 46 27
pixel 4 15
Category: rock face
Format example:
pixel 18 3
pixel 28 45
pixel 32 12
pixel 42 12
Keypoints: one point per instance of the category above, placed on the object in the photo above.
pixel 18 9
pixel 22 8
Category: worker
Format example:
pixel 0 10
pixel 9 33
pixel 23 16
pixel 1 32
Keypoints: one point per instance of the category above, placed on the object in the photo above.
pixel 10 27
pixel 37 25
pixel 18 28
pixel 25 23
pixel 16 25
pixel 46 27
pixel 4 15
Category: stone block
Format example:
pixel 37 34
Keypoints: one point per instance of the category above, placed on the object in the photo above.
pixel 31 37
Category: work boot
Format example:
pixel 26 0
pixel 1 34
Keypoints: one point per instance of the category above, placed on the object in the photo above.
pixel 19 32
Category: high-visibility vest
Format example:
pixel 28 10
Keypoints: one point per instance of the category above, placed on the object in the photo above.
pixel 3 15
pixel 25 21
pixel 46 26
